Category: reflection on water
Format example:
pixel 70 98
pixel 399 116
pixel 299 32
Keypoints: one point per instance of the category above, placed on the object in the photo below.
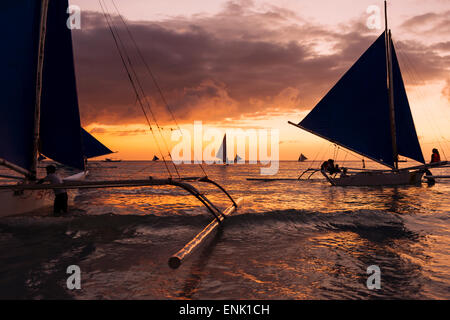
pixel 291 240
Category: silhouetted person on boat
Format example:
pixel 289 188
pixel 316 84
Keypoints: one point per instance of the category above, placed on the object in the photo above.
pixel 61 198
pixel 435 156
pixel 329 167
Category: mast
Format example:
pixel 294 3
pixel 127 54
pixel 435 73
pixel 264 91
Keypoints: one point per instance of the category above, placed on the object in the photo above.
pixel 224 149
pixel 390 84
pixel 40 67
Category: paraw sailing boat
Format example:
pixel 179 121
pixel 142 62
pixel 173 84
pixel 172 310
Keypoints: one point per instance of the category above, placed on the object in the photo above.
pixel 40 116
pixel 222 153
pixel 368 112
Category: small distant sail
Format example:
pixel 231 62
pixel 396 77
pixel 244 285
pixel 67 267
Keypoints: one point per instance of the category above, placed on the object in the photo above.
pixel 155 158
pixel 237 158
pixel 302 158
pixel 222 152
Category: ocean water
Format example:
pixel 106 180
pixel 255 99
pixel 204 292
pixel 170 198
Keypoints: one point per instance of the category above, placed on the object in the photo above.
pixel 289 240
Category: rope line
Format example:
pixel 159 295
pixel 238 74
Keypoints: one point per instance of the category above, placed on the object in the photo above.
pixel 155 82
pixel 133 84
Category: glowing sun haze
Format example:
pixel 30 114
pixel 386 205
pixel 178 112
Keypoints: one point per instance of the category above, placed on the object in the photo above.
pixel 252 64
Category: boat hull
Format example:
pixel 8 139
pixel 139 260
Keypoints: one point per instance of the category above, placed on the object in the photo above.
pixel 17 203
pixel 27 201
pixel 374 178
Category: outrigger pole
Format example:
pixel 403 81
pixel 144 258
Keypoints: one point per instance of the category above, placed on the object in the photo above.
pixel 176 260
pixel 14 167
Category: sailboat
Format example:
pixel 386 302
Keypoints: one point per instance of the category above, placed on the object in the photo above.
pixel 40 116
pixel 222 153
pixel 367 112
pixel 155 158
pixel 302 158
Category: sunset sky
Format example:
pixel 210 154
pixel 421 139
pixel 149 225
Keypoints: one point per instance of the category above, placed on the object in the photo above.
pixel 253 64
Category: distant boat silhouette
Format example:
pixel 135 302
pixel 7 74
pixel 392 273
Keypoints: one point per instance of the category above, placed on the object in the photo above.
pixel 155 158
pixel 222 153
pixel 112 160
pixel 302 158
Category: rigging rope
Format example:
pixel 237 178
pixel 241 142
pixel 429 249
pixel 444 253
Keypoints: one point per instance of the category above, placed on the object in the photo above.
pixel 155 82
pixel 429 115
pixel 145 96
pixel 127 69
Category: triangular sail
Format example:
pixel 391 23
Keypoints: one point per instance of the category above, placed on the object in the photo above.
pixel 222 152
pixel 19 31
pixel 302 157
pixel 60 130
pixel 92 147
pixel 407 142
pixel 155 158
pixel 355 112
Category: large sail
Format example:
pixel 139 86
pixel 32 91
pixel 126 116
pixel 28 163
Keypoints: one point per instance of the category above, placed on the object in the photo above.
pixel 92 147
pixel 355 112
pixel 60 129
pixel 19 31
pixel 407 142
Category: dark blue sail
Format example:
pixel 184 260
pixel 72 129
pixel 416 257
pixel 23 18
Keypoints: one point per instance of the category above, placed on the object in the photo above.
pixel 19 31
pixel 407 141
pixel 92 147
pixel 355 112
pixel 60 129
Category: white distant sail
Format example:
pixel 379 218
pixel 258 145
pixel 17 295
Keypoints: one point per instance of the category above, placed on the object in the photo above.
pixel 222 152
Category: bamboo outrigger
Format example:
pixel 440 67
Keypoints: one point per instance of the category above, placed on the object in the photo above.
pixel 176 260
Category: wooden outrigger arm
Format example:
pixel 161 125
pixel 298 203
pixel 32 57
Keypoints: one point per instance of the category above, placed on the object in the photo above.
pixel 176 260
pixel 14 167
pixel 182 183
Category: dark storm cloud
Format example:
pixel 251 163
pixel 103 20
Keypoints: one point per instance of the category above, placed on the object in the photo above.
pixel 239 62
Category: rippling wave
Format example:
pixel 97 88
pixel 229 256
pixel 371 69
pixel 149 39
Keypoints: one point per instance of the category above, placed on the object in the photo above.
pixel 290 240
